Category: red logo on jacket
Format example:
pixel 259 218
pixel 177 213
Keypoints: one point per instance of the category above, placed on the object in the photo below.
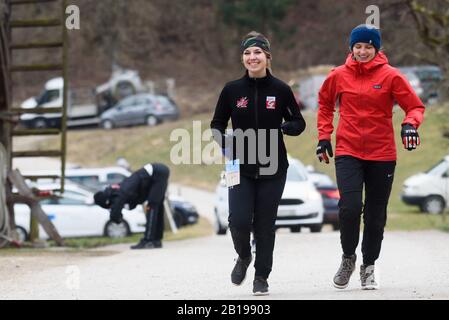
pixel 271 103
pixel 242 102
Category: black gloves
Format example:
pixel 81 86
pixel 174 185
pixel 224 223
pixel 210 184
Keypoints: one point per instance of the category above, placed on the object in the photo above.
pixel 116 210
pixel 291 128
pixel 410 137
pixel 116 217
pixel 323 149
pixel 228 143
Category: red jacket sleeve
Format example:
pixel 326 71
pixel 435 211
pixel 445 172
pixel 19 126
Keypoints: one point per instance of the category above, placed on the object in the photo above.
pixel 407 99
pixel 326 107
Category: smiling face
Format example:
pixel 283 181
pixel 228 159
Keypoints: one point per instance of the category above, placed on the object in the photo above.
pixel 363 52
pixel 255 61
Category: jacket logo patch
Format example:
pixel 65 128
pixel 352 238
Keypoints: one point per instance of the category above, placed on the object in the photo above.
pixel 377 86
pixel 242 102
pixel 271 103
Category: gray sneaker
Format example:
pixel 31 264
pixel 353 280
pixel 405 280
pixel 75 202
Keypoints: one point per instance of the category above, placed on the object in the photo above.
pixel 347 267
pixel 367 277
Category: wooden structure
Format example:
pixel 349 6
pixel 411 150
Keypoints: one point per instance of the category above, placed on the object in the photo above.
pixel 9 116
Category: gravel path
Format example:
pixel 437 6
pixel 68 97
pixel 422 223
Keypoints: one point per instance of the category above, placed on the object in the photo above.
pixel 413 265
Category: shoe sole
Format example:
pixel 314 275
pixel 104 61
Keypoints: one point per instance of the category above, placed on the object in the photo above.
pixel 370 287
pixel 258 294
pixel 340 286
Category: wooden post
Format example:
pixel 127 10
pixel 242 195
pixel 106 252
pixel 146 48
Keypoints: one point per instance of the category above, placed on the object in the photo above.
pixel 27 197
pixel 169 222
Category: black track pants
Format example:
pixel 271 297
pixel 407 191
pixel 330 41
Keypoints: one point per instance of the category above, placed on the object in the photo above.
pixel 353 175
pixel 155 216
pixel 253 206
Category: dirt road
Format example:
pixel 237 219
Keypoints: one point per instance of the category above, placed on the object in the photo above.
pixel 413 265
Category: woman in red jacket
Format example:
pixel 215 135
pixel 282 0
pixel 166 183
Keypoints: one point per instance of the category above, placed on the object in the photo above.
pixel 365 88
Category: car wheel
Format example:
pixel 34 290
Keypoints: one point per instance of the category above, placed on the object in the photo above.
pixel 40 123
pixel 433 205
pixel 114 230
pixel 107 125
pixel 316 228
pixel 151 121
pixel 22 234
pixel 295 229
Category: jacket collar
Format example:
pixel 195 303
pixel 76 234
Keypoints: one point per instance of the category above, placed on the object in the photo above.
pixel 259 81
pixel 362 68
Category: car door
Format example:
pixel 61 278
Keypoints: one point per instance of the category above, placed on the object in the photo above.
pixel 73 217
pixel 124 113
pixel 143 109
pixel 135 111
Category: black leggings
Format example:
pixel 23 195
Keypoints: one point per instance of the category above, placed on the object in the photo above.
pixel 377 176
pixel 253 206
pixel 155 217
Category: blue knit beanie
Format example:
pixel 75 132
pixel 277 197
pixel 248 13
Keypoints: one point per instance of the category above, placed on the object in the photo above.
pixel 366 34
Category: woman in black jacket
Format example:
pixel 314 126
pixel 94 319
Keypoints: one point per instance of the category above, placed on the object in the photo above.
pixel 257 104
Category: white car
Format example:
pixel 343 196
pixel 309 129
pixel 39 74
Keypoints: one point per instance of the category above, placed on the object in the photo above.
pixel 301 204
pixel 74 214
pixel 91 177
pixel 429 190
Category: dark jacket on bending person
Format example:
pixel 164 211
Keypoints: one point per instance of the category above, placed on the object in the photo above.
pixel 259 103
pixel 135 190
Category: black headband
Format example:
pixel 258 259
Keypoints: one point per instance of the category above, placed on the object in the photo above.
pixel 256 42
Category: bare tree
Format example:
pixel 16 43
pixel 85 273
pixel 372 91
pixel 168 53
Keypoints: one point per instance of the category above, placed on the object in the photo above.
pixel 432 22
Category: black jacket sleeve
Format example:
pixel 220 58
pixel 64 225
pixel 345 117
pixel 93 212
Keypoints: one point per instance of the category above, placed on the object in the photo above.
pixel 295 123
pixel 221 118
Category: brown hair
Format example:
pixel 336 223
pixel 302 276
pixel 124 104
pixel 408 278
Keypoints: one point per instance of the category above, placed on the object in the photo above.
pixel 269 56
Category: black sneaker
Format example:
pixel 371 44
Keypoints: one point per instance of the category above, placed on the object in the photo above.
pixel 145 244
pixel 260 286
pixel 239 272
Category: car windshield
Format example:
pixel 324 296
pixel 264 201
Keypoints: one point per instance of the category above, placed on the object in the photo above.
pixel 438 169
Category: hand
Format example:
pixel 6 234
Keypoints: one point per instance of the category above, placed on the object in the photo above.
pixel 287 128
pixel 410 137
pixel 226 153
pixel 116 218
pixel 323 149
pixel 228 140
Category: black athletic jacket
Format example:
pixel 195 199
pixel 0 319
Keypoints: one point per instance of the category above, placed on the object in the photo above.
pixel 133 191
pixel 259 103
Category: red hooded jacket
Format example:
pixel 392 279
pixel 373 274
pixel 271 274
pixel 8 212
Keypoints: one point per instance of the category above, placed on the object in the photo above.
pixel 365 93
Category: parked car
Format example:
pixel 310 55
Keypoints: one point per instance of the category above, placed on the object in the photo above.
pixel 329 191
pixel 430 78
pixel 301 204
pixel 184 213
pixel 429 190
pixel 74 214
pixel 140 109
pixel 96 179
pixel 415 83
